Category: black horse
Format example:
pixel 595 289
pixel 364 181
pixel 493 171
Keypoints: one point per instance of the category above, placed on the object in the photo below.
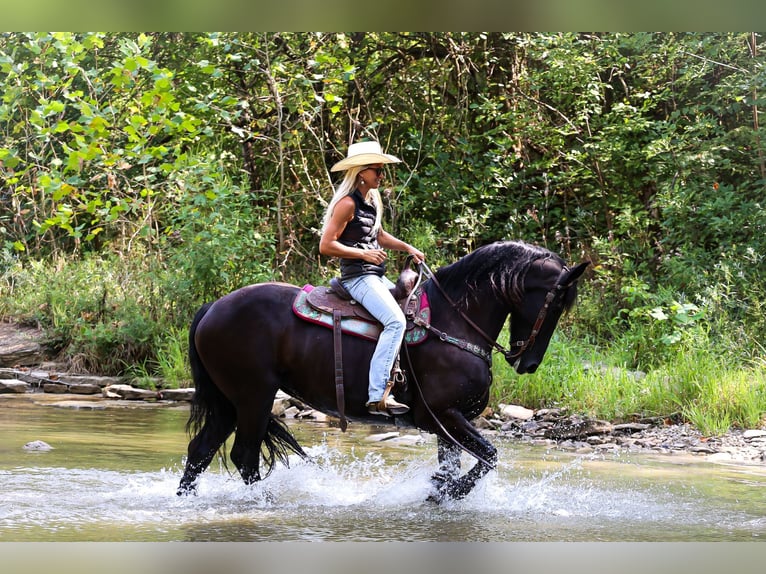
pixel 247 345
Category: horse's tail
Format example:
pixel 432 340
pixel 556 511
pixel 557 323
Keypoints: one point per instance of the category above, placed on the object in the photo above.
pixel 278 442
pixel 208 405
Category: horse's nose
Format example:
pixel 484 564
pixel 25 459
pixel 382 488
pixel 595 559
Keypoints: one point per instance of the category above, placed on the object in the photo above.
pixel 527 368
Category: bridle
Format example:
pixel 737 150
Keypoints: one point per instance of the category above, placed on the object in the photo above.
pixel 521 346
pixel 550 297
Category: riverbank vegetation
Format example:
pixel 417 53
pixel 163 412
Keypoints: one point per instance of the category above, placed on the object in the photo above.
pixel 143 174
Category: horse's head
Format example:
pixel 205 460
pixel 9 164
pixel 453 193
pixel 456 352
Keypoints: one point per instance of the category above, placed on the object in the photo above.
pixel 549 289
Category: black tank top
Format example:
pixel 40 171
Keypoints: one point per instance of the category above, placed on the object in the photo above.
pixel 359 233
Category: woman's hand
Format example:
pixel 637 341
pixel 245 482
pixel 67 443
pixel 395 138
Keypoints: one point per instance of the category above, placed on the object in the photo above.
pixel 417 255
pixel 374 256
pixel 388 241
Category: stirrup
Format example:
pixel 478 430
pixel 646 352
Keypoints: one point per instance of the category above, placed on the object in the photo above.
pixel 387 406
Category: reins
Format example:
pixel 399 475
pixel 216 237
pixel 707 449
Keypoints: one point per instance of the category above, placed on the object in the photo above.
pixel 521 345
pixel 479 330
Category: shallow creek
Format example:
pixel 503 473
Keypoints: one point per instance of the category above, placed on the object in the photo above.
pixel 113 472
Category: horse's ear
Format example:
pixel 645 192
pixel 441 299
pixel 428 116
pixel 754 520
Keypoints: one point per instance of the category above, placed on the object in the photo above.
pixel 574 274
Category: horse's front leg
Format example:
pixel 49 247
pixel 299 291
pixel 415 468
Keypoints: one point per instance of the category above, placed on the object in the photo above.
pixel 449 468
pixel 446 479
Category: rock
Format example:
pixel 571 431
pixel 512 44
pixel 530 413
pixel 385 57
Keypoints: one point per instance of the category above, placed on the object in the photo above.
pixel 574 429
pixel 85 389
pixel 516 412
pixel 128 392
pixel 19 346
pixel 482 423
pixel 703 449
pixel 280 406
pixel 56 388
pixel 630 427
pixel 37 446
pixel 177 394
pixel 535 427
pixel 99 381
pixel 33 377
pixel 753 433
pixel 305 414
pixel 291 412
pixel 720 457
pixel 13 386
pixel 549 414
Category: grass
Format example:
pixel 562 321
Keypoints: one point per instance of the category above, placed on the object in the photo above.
pixel 102 314
pixel 700 386
pixel 172 359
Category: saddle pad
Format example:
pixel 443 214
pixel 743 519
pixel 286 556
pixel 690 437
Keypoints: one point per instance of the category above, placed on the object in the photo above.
pixel 359 327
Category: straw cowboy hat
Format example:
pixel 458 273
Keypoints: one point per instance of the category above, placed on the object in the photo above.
pixel 364 153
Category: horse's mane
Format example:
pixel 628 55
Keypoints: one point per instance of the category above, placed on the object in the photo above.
pixel 502 266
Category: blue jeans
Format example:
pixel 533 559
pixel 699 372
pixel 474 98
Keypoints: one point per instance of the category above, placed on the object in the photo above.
pixel 372 292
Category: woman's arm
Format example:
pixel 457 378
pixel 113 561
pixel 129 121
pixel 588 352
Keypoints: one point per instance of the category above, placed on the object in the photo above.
pixel 388 241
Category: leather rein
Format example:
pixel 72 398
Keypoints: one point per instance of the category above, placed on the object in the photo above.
pixel 509 353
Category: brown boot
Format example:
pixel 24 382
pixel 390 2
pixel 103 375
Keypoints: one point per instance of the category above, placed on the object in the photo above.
pixel 387 406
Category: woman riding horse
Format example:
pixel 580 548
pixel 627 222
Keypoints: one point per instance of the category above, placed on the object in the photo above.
pixel 353 232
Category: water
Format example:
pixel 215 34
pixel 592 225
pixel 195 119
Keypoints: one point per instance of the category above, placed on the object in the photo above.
pixel 113 474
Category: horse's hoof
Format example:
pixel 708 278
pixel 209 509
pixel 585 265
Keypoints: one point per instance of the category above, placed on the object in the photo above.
pixel 435 498
pixel 438 494
pixel 185 490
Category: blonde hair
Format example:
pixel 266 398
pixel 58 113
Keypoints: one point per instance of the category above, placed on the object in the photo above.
pixel 347 187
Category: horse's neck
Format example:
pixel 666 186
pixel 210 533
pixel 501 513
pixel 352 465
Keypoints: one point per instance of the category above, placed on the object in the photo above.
pixel 489 314
pixel 483 309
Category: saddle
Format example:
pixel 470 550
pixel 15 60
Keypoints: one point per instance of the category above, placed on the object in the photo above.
pixel 335 308
pixel 337 298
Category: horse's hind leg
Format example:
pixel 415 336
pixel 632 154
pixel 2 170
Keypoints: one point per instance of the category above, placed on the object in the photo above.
pixel 248 438
pixel 202 449
pixel 260 442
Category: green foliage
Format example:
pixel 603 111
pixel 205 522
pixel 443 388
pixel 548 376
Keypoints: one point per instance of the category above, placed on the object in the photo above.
pixel 172 359
pixel 217 239
pixel 93 128
pixel 97 311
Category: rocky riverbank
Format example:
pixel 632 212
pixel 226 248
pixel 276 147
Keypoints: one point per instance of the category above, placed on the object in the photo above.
pixel 23 371
pixel 557 429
